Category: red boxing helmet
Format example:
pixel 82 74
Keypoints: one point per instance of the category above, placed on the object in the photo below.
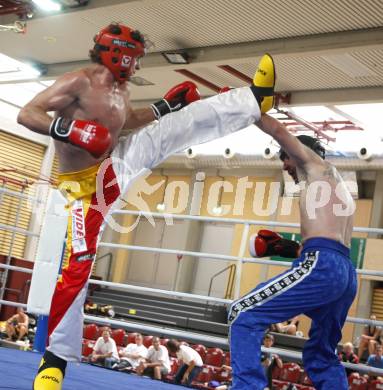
pixel 119 49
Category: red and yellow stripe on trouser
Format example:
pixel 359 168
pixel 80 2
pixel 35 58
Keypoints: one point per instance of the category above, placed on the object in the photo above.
pixel 85 225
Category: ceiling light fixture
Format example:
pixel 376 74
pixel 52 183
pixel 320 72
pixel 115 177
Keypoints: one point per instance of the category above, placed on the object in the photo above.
pixel 176 58
pixel 47 5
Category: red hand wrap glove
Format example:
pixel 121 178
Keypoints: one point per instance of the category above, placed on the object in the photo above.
pixel 88 135
pixel 267 243
pixel 176 98
pixel 225 89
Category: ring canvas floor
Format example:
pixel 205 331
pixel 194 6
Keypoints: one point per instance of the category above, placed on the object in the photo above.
pixel 18 368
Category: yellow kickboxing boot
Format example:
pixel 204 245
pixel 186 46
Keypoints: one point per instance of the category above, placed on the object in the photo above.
pixel 51 373
pixel 264 83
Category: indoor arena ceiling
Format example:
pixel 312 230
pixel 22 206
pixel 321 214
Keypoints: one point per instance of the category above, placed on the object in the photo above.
pixel 320 47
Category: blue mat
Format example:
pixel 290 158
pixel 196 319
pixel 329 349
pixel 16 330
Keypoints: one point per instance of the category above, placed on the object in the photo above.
pixel 18 368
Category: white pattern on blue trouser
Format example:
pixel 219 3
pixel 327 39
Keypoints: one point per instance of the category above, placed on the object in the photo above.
pixel 322 285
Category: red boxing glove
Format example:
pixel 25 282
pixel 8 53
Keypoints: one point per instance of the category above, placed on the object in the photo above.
pixel 176 98
pixel 267 243
pixel 88 135
pixel 225 89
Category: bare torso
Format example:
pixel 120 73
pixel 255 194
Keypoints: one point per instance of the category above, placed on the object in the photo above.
pixel 326 205
pixel 104 101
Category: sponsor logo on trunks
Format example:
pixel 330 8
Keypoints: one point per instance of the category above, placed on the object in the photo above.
pixel 119 42
pixel 86 257
pixel 51 378
pixel 78 227
pixel 276 287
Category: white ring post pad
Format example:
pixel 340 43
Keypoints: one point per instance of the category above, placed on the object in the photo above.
pixel 49 252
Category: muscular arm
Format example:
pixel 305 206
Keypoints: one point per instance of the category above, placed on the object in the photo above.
pixel 25 322
pixel 12 318
pixel 34 115
pixel 302 155
pixel 189 369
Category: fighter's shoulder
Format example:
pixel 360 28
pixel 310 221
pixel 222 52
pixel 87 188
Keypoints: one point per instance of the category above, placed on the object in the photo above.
pixel 76 79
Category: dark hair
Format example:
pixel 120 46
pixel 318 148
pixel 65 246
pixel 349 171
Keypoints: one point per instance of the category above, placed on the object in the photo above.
pixel 313 143
pixel 173 345
pixel 269 337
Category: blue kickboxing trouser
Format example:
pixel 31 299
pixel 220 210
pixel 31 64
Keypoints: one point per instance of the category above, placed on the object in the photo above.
pixel 322 285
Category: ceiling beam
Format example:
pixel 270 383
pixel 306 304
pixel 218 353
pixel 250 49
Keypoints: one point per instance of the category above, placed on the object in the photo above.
pixel 230 54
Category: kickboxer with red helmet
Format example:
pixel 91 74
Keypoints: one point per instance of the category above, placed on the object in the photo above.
pixel 92 111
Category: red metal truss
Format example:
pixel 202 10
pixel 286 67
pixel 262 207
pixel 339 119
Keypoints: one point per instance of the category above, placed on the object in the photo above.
pixel 17 7
pixel 199 79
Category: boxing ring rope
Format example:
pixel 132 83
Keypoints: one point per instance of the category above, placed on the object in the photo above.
pixel 240 259
pixel 124 286
pixel 198 338
pixel 214 256
pixel 230 220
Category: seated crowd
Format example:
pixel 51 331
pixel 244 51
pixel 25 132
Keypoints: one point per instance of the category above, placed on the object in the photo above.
pixel 206 368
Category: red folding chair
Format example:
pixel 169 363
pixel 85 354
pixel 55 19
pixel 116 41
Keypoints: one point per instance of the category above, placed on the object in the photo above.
pixel 205 376
pixel 201 349
pixel 276 373
pixel 87 348
pixel 280 385
pixel 222 374
pixel 290 372
pixel 375 385
pixel 147 341
pixel 227 361
pixel 90 332
pixel 357 382
pixel 174 366
pixel 118 335
pixel 214 357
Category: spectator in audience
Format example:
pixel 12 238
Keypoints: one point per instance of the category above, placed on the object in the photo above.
pixel 191 362
pixel 376 360
pixel 289 327
pixel 105 350
pixel 157 362
pixel 371 334
pixel 17 325
pixel 348 355
pixel 132 355
pixel 269 360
